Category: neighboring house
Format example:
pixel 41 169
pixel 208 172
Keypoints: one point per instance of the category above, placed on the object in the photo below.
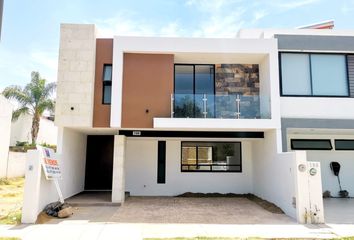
pixel 5 125
pixel 163 116
pixel 21 130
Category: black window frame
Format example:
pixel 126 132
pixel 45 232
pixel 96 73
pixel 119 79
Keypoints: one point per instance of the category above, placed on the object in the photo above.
pixel 192 64
pixel 309 55
pixel 161 162
pixel 343 140
pixel 106 83
pixel 311 140
pixel 211 165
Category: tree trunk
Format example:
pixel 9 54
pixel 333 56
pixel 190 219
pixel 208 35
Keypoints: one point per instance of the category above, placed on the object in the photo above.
pixel 35 127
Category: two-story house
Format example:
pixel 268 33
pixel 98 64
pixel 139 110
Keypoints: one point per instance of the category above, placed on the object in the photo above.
pixel 157 116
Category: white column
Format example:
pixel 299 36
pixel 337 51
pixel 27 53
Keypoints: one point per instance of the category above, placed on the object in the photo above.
pixel 118 184
pixel 315 192
pixel 31 195
pixel 308 189
pixel 301 187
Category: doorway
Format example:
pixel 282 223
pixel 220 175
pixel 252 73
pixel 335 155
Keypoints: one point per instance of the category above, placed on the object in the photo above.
pixel 99 162
pixel 194 86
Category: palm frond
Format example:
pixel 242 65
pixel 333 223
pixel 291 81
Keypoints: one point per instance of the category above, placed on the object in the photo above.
pixel 17 93
pixel 20 111
pixel 47 104
pixel 49 89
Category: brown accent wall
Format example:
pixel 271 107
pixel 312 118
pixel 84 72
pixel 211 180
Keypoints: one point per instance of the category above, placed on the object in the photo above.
pixel 147 88
pixel 104 55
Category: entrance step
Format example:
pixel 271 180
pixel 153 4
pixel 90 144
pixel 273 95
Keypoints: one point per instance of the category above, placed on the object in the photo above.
pixel 92 198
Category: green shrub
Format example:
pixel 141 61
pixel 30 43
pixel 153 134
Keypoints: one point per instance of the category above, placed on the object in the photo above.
pixel 21 144
pixel 47 145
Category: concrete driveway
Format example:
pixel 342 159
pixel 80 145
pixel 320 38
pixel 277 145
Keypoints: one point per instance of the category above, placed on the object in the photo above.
pixel 167 217
pixel 339 210
pixel 213 210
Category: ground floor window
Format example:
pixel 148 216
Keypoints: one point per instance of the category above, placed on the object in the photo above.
pixel 311 144
pixel 211 157
pixel 344 144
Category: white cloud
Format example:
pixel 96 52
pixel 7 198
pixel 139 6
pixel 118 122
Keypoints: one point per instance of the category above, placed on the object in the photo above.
pixel 124 24
pixel 16 67
pixel 172 29
pixel 217 18
pixel 210 5
pixel 221 26
pixel 220 18
pixel 287 5
pixel 259 14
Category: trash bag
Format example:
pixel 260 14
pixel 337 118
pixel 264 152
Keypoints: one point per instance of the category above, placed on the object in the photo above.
pixel 58 209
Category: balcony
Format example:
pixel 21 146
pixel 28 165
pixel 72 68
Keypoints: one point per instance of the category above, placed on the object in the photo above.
pixel 235 106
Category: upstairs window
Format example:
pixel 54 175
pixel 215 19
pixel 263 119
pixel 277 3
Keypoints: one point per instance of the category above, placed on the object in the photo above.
pixel 308 74
pixel 107 84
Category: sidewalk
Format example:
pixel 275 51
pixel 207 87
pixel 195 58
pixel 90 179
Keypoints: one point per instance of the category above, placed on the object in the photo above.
pixel 70 230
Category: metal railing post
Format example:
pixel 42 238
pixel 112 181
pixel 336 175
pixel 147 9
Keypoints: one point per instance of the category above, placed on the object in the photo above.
pixel 238 112
pixel 205 100
pixel 172 105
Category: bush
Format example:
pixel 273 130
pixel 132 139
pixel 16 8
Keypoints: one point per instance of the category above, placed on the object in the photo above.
pixel 47 145
pixel 21 144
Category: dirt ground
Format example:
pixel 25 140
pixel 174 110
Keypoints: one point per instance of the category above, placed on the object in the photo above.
pixel 261 202
pixel 207 210
pixel 11 197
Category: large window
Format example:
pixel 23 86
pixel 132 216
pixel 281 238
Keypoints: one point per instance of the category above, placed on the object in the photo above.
pixel 211 157
pixel 309 74
pixel 191 83
pixel 107 84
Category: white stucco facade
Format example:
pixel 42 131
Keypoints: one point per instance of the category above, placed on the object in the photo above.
pixel 141 169
pixel 5 127
pixel 325 157
pixel 202 50
pixel 317 107
pixel 21 131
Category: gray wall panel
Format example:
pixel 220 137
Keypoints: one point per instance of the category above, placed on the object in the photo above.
pixel 351 74
pixel 312 42
pixel 312 123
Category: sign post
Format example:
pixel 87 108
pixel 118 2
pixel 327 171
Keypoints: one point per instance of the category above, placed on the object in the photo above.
pixel 51 168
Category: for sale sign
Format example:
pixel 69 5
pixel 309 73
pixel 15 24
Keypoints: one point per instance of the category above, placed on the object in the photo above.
pixel 50 163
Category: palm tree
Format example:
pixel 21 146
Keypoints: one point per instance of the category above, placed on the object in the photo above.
pixel 33 99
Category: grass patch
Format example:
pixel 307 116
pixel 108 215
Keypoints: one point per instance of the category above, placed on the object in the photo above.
pixel 18 181
pixel 10 238
pixel 13 218
pixel 221 238
pixel 199 238
pixel 11 198
pixel 4 181
pixel 9 195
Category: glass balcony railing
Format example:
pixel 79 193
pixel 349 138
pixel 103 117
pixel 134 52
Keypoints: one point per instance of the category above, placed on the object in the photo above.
pixel 215 106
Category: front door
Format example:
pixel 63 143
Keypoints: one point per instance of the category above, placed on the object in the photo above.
pixel 99 162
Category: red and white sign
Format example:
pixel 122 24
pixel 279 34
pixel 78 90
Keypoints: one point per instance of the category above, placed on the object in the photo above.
pixel 50 163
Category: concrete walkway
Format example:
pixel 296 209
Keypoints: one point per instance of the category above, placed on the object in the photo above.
pixel 73 230
pixel 339 210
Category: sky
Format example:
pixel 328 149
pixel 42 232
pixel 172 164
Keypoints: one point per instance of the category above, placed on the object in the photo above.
pixel 30 31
